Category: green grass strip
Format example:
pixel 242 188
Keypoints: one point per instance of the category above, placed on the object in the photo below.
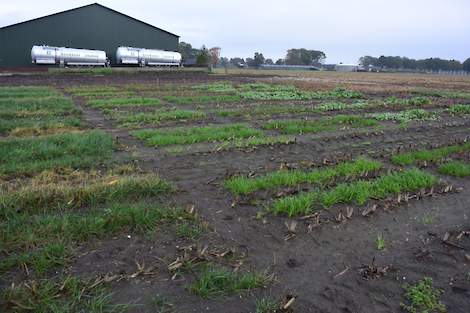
pixel 356 192
pixel 324 124
pixel 178 136
pixel 118 102
pixel 459 109
pixel 160 116
pixel 432 155
pixel 42 198
pixel 77 150
pixel 241 185
pixel 27 92
pixel 202 99
pixel 455 168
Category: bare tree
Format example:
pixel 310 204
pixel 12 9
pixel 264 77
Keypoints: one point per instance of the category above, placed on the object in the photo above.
pixel 214 55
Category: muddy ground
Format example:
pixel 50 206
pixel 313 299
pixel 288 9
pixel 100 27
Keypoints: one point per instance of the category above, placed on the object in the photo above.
pixel 331 266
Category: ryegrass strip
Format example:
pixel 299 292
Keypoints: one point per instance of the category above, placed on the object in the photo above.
pixel 241 185
pixel 178 136
pixel 356 192
pixel 119 102
pixel 324 124
pixel 432 155
pixel 455 168
pixel 78 150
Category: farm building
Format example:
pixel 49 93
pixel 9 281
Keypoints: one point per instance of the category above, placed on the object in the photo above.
pixel 346 67
pixel 91 27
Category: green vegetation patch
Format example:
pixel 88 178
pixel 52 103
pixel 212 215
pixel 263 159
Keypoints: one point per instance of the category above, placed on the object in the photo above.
pixel 41 115
pixel 451 94
pixel 26 155
pixel 455 168
pixel 178 136
pixel 241 185
pixel 338 106
pixel 266 110
pixel 159 116
pixel 65 295
pixel 39 197
pixel 413 101
pixel 218 87
pixel 324 124
pixel 356 192
pixel 432 155
pixel 405 116
pixel 118 102
pixel 214 282
pixel 459 109
pixel 423 298
pixel 27 92
pixel 202 99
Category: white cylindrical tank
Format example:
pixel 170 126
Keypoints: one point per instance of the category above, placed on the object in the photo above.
pixel 68 56
pixel 143 57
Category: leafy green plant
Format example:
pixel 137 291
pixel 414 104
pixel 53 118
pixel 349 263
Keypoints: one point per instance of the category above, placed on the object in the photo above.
pixel 405 116
pixel 423 298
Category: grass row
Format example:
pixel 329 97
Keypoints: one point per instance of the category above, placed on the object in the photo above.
pixel 320 125
pixel 27 92
pixel 135 119
pixel 405 116
pixel 178 136
pixel 355 192
pixel 455 168
pixel 42 114
pixel 431 155
pixel 119 102
pixel 241 185
pixel 27 155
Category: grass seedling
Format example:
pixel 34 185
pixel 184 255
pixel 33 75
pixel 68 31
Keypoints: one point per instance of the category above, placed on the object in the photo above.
pixel 423 298
pixel 455 168
pixel 356 192
pixel 213 282
pixel 189 135
pixel 241 185
pixel 266 305
pixel 380 242
pixel 428 155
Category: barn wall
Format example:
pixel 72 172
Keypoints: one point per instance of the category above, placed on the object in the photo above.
pixel 91 27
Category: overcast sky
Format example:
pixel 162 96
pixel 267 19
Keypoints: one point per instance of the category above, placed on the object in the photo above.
pixel 343 29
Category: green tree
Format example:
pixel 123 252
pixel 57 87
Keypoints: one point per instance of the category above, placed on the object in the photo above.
pixel 258 59
pixel 466 65
pixel 203 57
pixel 304 57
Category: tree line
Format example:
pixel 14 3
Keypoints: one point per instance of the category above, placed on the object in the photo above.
pixel 302 56
pixel 404 63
